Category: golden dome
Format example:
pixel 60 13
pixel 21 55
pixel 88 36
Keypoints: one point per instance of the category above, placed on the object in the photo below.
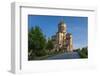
pixel 62 26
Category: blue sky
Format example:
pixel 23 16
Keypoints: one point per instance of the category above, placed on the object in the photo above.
pixel 78 26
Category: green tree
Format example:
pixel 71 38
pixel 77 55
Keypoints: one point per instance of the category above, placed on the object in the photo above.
pixel 50 45
pixel 83 52
pixel 36 42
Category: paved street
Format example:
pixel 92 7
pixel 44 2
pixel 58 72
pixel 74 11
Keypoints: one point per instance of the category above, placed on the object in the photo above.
pixel 68 55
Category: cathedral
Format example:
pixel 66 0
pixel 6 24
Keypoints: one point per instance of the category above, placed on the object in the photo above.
pixel 62 40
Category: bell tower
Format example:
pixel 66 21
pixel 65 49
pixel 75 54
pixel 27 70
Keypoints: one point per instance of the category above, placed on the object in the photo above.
pixel 63 39
pixel 61 35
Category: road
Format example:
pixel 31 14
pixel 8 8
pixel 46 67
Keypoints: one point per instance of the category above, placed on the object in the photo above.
pixel 68 55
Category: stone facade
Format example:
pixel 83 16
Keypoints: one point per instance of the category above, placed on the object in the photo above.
pixel 62 40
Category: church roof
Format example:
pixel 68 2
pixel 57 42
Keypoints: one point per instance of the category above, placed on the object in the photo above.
pixel 68 34
pixel 61 22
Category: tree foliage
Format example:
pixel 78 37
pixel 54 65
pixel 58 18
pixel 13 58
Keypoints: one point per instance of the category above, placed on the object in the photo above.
pixel 50 45
pixel 83 53
pixel 36 42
